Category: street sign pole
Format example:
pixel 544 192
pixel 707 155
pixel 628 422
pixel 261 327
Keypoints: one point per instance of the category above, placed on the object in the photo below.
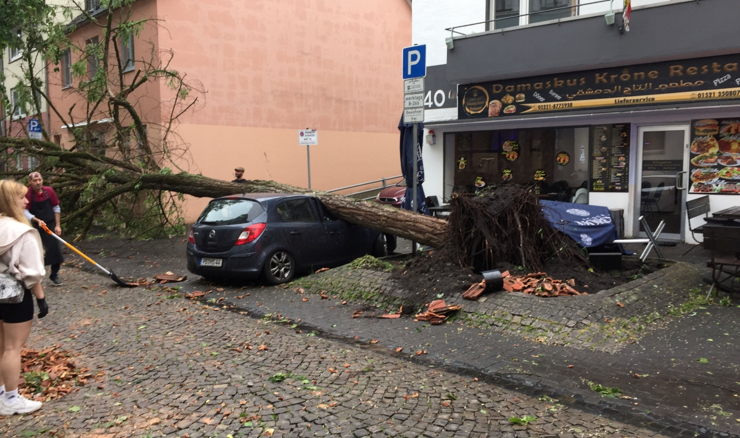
pixel 414 71
pixel 308 137
pixel 413 199
pixel 308 158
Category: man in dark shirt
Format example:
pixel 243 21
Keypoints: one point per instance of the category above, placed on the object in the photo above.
pixel 239 173
pixel 43 208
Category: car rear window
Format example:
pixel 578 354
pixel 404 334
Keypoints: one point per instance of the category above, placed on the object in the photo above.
pixel 230 211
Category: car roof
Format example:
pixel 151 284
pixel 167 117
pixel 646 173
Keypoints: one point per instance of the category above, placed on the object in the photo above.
pixel 264 196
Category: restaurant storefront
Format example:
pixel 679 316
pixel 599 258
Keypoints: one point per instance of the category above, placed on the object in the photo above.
pixel 639 139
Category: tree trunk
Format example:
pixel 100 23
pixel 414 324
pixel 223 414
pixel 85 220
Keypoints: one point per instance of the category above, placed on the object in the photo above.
pixel 426 230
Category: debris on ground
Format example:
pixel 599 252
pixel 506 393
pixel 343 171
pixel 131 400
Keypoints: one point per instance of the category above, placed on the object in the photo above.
pixel 539 284
pixel 169 277
pixel 50 374
pixel 318 271
pixel 437 312
pixel 506 225
pixel 392 315
pixel 195 295
pixel 477 289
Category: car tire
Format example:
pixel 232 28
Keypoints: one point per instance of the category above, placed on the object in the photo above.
pixel 380 246
pixel 279 267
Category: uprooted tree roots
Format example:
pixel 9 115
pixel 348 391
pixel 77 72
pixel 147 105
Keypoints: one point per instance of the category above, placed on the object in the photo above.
pixel 506 225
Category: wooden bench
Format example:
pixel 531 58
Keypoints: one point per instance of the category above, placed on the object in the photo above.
pixel 724 244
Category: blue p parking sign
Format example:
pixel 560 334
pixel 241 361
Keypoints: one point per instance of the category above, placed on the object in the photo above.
pixel 415 62
pixel 34 129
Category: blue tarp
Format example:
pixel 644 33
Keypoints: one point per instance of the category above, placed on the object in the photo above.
pixel 588 225
pixel 407 167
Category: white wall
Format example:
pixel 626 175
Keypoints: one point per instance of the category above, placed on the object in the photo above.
pixel 431 17
pixel 433 166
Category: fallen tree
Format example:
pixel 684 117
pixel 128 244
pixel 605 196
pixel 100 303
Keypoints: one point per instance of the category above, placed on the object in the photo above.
pixel 119 178
pixel 125 179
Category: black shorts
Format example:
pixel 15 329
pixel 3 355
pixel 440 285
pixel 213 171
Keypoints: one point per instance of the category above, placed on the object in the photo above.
pixel 11 313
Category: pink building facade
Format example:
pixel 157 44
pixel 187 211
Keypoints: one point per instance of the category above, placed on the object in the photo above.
pixel 268 69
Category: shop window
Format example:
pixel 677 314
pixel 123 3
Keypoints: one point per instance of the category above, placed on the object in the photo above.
pixel 511 13
pixel 551 160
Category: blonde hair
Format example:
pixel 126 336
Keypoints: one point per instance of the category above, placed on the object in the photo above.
pixel 10 191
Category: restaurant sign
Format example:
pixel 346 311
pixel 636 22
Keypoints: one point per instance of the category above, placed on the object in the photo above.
pixel 695 80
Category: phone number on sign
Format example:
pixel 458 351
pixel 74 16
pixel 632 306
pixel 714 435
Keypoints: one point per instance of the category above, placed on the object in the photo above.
pixel 718 94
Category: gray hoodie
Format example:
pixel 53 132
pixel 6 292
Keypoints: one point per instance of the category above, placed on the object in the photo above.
pixel 21 252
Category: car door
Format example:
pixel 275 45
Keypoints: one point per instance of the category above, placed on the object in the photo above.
pixel 303 233
pixel 337 239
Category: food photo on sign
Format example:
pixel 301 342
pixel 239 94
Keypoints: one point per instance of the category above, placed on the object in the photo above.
pixel 715 156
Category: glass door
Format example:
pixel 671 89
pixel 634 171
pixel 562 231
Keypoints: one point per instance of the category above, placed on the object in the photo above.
pixel 662 191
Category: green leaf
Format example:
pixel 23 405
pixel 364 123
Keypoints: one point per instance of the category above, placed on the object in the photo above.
pixel 703 360
pixel 525 420
pixel 75 409
pixel 605 391
pixel 279 377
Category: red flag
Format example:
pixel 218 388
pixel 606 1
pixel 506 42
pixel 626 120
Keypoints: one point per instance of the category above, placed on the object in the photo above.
pixel 626 15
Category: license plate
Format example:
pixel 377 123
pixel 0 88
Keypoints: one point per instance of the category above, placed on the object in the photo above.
pixel 211 262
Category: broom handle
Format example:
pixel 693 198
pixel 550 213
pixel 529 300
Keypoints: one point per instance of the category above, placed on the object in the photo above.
pixel 74 249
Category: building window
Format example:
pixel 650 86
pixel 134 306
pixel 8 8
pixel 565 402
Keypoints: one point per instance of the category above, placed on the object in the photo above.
pixel 66 69
pixel 507 13
pixel 16 105
pixel 92 60
pixel 127 53
pixel 96 142
pixel 16 52
pixel 92 5
pixel 510 13
pixel 544 10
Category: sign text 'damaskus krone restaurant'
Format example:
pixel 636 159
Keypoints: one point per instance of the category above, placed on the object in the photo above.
pixel 695 80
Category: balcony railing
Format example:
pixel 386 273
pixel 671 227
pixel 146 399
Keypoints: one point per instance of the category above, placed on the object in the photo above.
pixel 576 8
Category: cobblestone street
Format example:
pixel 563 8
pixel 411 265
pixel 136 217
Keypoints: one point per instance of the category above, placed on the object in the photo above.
pixel 177 368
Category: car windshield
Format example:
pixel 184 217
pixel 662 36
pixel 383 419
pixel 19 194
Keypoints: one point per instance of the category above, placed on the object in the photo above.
pixel 230 211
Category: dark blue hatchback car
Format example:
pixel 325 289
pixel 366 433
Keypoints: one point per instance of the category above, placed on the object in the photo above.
pixel 273 235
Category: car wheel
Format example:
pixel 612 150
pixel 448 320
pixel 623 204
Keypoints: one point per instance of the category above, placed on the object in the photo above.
pixel 380 246
pixel 279 267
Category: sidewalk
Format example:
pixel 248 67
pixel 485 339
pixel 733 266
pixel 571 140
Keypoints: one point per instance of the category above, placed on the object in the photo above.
pixel 679 373
pixel 161 365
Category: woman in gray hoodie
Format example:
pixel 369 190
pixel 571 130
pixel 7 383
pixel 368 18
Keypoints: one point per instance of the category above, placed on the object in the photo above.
pixel 21 255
